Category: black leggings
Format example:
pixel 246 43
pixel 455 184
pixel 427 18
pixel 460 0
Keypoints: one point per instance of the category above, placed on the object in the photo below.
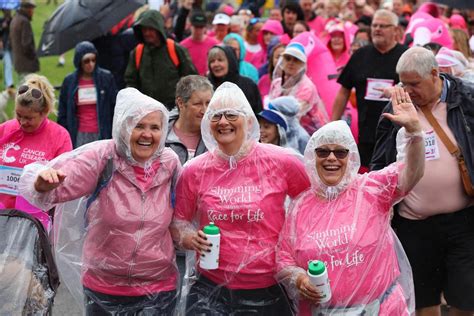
pixel 208 298
pixel 162 303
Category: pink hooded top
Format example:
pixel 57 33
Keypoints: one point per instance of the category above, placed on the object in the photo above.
pixel 127 247
pixel 347 226
pixel 273 26
pixel 347 30
pixel 243 195
pixel 18 148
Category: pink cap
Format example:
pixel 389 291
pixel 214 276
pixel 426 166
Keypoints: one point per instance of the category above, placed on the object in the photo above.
pixel 228 9
pixel 457 21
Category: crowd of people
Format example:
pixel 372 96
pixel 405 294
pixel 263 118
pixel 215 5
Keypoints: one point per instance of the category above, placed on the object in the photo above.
pixel 330 130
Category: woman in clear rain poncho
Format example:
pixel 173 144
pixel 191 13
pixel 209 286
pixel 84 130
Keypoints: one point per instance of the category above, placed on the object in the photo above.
pixel 290 79
pixel 344 221
pixel 241 186
pixel 114 246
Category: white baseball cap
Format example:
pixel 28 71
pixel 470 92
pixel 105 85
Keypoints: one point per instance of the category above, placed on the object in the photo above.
pixel 296 50
pixel 221 18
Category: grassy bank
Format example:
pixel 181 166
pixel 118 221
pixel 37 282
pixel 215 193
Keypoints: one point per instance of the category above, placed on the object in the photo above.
pixel 48 65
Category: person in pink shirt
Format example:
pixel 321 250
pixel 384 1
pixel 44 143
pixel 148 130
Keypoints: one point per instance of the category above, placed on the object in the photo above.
pixel 265 81
pixel 339 45
pixel 87 98
pixel 241 186
pixel 112 240
pixel 270 29
pixel 290 79
pixel 199 44
pixel 344 221
pixel 27 139
pixel 252 46
pixel 221 23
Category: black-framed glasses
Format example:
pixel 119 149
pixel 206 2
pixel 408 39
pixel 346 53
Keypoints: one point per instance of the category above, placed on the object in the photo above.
pixel 229 115
pixel 35 93
pixel 381 26
pixel 339 153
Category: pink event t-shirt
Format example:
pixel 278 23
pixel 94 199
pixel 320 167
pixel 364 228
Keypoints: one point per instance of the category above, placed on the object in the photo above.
pixel 198 52
pixel 351 235
pixel 18 148
pixel 246 203
pixel 87 106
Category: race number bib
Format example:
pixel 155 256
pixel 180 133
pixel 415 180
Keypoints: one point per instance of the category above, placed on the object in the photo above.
pixel 431 146
pixel 86 95
pixel 375 88
pixel 9 180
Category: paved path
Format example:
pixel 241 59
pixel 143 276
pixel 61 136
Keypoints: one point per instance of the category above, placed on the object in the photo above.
pixel 64 303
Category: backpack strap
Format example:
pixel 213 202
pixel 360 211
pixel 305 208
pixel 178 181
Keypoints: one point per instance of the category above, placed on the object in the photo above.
pixel 138 55
pixel 171 47
pixel 170 44
pixel 104 179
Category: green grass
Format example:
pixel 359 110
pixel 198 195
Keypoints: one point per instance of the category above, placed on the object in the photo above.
pixel 48 65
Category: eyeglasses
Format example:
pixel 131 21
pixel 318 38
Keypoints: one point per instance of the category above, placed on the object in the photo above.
pixel 381 26
pixel 325 152
pixel 35 93
pixel 88 60
pixel 229 115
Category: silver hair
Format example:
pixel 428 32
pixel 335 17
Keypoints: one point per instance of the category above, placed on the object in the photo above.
pixel 214 52
pixel 418 60
pixel 383 13
pixel 187 85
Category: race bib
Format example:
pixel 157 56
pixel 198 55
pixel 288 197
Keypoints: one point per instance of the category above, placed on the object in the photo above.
pixel 431 146
pixel 374 86
pixel 86 95
pixel 9 180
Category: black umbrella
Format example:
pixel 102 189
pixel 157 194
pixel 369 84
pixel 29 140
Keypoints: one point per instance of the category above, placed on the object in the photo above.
pixel 458 4
pixel 80 20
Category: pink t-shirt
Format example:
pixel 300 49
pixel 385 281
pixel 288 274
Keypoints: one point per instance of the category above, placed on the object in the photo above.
pixel 198 52
pixel 264 85
pixel 440 190
pixel 145 181
pixel 86 101
pixel 191 141
pixel 246 203
pixel 18 148
pixel 351 235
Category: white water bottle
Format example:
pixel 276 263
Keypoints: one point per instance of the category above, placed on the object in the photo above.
pixel 318 276
pixel 210 261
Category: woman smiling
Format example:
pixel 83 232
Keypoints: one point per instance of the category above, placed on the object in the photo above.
pixel 344 221
pixel 241 185
pixel 113 245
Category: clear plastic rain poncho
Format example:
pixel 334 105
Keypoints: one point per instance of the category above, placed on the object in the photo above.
pixel 297 137
pixel 312 111
pixel 243 194
pixel 112 237
pixel 347 226
pixel 28 275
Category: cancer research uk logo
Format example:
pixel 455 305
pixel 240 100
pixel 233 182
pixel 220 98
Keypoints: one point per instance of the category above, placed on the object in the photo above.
pixel 27 155
pixel 5 150
pixel 236 204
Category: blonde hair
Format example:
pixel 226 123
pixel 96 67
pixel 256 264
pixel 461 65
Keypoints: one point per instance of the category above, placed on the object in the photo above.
pixel 461 41
pixel 41 83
